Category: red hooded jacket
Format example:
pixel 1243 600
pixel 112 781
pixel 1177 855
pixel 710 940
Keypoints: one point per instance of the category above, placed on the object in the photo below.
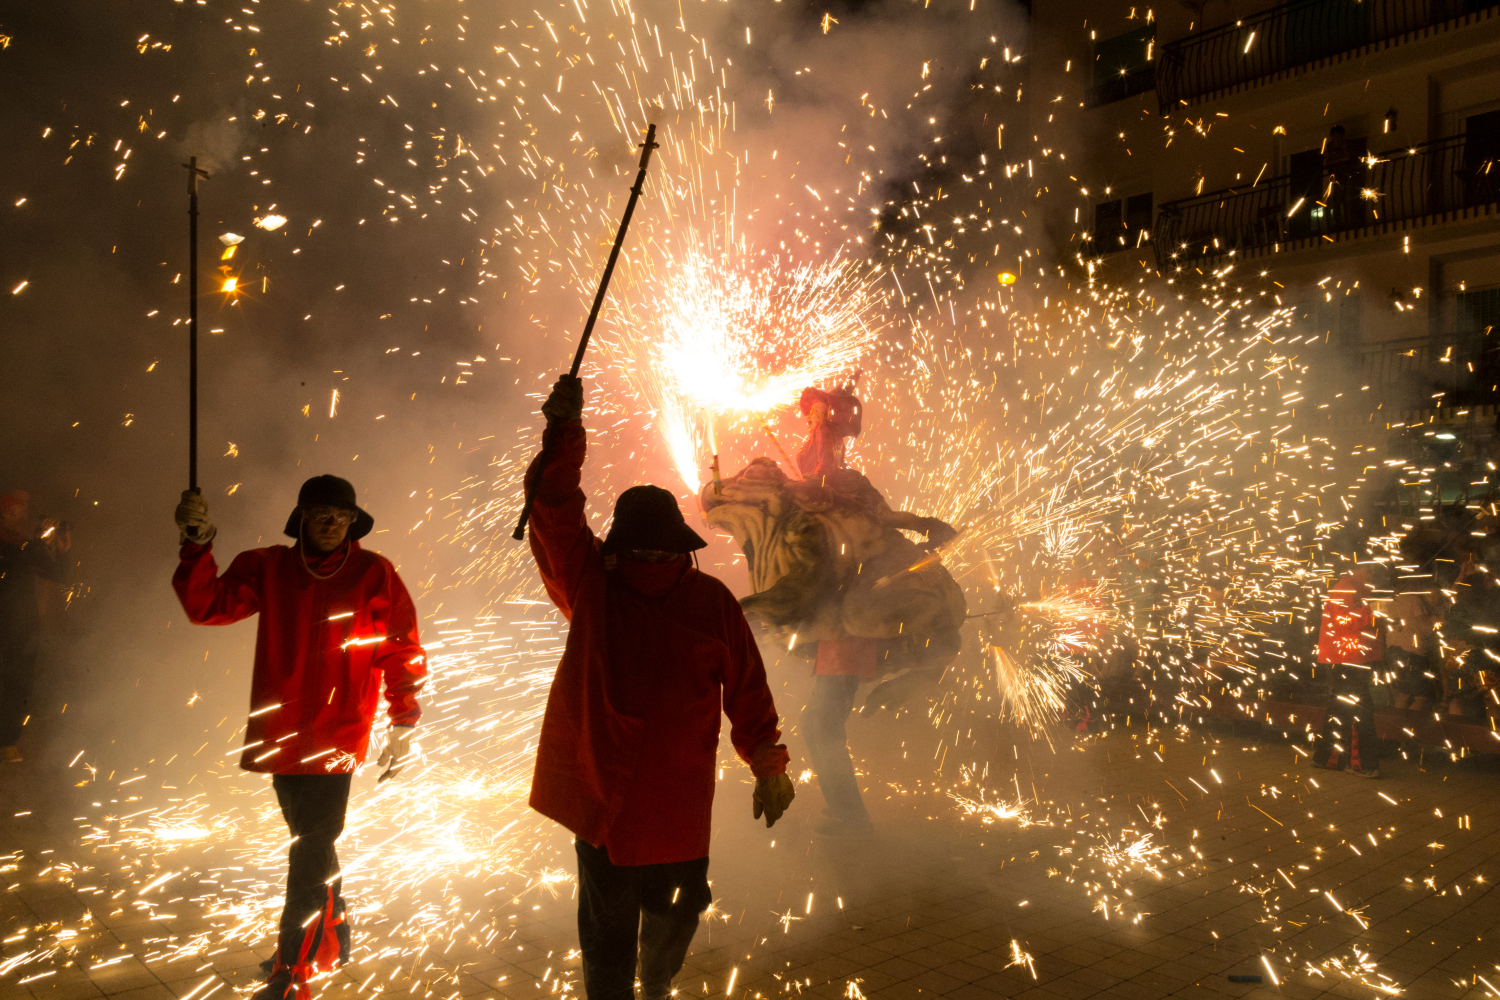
pixel 323 647
pixel 1349 632
pixel 629 743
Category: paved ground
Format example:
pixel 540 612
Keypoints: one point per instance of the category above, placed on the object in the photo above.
pixel 1137 867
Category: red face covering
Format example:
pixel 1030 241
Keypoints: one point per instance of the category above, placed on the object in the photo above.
pixel 324 563
pixel 653 579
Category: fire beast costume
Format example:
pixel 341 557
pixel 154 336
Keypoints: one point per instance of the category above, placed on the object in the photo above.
pixel 335 628
pixel 829 564
pixel 629 743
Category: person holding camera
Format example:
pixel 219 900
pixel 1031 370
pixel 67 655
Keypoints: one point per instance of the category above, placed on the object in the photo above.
pixel 27 555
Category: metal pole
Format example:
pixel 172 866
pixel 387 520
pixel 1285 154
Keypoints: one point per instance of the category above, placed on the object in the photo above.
pixel 588 328
pixel 193 174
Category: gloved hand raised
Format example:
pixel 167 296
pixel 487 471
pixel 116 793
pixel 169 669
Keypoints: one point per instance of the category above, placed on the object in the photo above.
pixel 397 749
pixel 193 524
pixel 772 796
pixel 566 401
pixel 938 532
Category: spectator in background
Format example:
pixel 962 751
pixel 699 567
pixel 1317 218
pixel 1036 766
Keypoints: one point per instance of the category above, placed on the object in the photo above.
pixel 27 554
pixel 1343 169
pixel 1351 644
pixel 1412 650
pixel 1472 628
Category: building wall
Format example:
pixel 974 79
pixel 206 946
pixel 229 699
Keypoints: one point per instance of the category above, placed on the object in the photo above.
pixel 1389 95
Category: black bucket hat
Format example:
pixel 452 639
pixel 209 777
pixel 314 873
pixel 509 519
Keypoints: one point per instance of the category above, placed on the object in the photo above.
pixel 647 517
pixel 329 491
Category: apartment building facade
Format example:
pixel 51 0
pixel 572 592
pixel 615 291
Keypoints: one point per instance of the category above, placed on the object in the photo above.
pixel 1348 148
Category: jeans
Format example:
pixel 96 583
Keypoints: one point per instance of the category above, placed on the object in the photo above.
pixel 1349 730
pixel 636 914
pixel 314 806
pixel 18 656
pixel 823 727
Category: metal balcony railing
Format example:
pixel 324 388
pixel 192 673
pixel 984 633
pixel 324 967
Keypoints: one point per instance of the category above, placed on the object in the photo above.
pixel 1408 183
pixel 1461 368
pixel 1387 362
pixel 1287 36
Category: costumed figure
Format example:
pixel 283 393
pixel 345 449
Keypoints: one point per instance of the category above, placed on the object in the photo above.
pixel 629 743
pixel 828 563
pixel 336 624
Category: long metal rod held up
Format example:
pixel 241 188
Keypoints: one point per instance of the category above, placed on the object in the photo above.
pixel 588 328
pixel 193 174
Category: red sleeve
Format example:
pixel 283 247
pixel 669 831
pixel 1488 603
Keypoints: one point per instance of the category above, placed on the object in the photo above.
pixel 561 539
pixel 747 696
pixel 211 599
pixel 400 656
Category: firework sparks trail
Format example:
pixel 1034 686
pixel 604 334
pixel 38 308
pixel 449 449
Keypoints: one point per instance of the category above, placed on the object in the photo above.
pixel 459 814
pixel 1108 434
pixel 1358 968
pixel 1034 696
pixel 1019 956
pixel 739 335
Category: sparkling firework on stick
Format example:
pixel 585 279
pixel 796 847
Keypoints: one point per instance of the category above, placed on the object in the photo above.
pixel 194 172
pixel 790 465
pixel 588 328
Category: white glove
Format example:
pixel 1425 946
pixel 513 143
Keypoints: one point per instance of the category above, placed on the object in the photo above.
pixel 772 796
pixel 193 524
pixel 397 749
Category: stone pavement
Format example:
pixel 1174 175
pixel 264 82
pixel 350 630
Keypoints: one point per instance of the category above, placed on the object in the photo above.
pixel 1140 866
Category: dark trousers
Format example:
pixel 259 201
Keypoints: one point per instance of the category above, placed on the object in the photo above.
pixel 1411 671
pixel 636 914
pixel 823 727
pixel 18 658
pixel 1348 736
pixel 314 806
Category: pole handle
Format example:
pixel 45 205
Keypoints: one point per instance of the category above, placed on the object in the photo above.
pixel 193 173
pixel 545 457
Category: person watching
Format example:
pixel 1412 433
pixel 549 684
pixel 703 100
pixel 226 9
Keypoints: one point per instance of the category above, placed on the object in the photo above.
pixel 27 556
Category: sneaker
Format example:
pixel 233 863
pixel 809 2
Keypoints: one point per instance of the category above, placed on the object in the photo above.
pixel 1324 766
pixel 12 755
pixel 279 987
pixel 1373 772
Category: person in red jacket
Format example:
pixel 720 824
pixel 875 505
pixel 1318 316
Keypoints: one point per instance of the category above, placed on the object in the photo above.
pixel 629 742
pixel 1351 645
pixel 335 623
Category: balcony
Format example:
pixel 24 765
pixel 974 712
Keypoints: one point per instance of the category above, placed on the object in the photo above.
pixel 1282 38
pixel 1450 178
pixel 1459 369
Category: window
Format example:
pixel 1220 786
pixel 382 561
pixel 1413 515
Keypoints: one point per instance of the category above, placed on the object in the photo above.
pixel 1477 313
pixel 1124 65
pixel 1120 224
pixel 1481 151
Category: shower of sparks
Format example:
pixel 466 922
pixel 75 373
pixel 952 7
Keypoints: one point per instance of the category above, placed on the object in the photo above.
pixel 1034 696
pixel 1019 956
pixel 1127 460
pixel 743 335
pixel 735 335
pixel 1358 968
